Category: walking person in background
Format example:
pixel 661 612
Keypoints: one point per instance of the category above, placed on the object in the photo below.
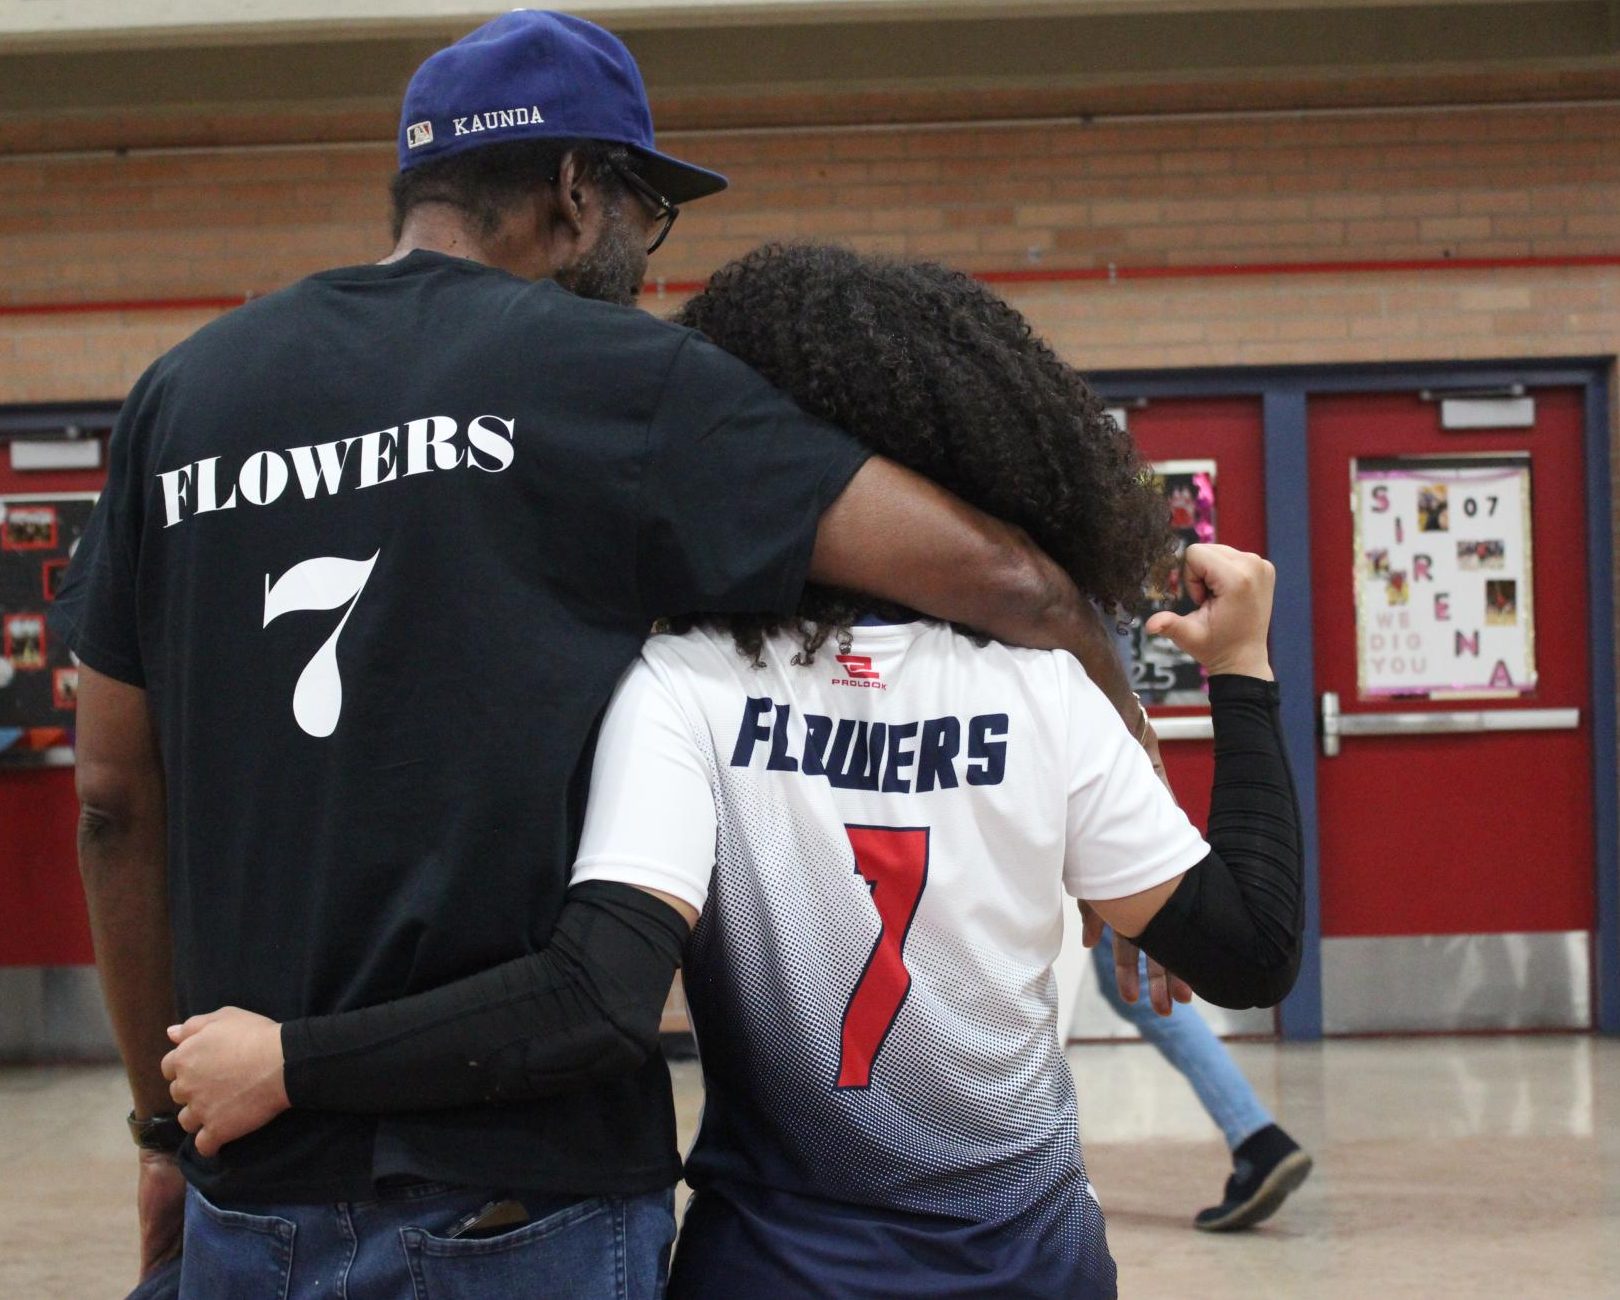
pixel 1267 1164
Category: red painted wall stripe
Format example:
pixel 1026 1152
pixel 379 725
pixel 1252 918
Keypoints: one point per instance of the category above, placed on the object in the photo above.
pixel 118 305
pixel 1033 275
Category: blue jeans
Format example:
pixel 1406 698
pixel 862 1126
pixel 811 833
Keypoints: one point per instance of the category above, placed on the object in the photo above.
pixel 393 1248
pixel 1189 1044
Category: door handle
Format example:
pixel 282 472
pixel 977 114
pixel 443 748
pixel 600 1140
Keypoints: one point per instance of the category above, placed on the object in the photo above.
pixel 1330 724
pixel 1336 723
pixel 1197 726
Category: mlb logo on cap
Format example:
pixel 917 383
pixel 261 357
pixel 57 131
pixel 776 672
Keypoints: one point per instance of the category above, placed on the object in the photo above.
pixel 531 75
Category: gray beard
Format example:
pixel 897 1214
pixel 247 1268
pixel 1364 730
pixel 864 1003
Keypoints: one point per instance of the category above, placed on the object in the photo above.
pixel 613 270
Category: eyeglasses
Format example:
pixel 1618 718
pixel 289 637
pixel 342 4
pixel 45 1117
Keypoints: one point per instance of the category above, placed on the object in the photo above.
pixel 664 212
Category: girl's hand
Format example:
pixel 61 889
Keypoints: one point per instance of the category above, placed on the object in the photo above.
pixel 226 1073
pixel 1227 632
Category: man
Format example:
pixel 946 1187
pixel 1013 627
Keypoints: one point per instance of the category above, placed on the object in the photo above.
pixel 372 554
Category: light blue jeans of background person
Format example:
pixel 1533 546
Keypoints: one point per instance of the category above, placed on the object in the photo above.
pixel 393 1248
pixel 1189 1044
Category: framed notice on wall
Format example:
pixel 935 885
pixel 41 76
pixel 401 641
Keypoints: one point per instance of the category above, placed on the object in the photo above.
pixel 1160 672
pixel 1443 576
pixel 39 679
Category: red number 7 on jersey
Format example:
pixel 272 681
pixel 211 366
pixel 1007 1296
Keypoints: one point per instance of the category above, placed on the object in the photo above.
pixel 893 860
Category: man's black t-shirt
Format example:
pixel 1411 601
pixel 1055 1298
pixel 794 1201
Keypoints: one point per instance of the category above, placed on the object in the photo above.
pixel 379 546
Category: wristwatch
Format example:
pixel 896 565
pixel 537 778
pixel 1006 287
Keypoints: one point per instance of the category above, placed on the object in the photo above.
pixel 159 1133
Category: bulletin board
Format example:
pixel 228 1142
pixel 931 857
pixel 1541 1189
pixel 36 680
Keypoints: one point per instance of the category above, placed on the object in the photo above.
pixel 1161 673
pixel 1443 577
pixel 39 678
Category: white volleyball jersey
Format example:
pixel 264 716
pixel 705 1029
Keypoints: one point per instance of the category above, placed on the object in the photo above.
pixel 880 842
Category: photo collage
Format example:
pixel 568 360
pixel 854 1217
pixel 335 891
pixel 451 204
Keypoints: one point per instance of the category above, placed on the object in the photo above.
pixel 1443 563
pixel 1161 673
pixel 39 679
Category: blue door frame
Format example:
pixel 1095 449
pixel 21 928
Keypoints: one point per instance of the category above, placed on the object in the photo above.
pixel 1284 395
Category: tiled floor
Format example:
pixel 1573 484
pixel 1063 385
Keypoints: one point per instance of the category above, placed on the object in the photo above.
pixel 1445 1167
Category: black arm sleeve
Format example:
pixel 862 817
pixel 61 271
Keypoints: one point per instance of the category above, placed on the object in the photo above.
pixel 585 1007
pixel 1233 928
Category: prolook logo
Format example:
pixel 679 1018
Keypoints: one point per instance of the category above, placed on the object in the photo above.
pixel 860 673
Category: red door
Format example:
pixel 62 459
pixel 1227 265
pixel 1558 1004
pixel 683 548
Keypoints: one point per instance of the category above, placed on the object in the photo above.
pixel 1189 433
pixel 1228 432
pixel 1457 867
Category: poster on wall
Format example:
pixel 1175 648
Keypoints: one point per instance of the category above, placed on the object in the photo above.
pixel 1160 673
pixel 39 678
pixel 1443 576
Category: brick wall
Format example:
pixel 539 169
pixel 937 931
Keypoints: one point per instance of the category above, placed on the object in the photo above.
pixel 1503 183
pixel 1514 183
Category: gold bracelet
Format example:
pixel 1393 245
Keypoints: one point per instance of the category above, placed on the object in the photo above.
pixel 1142 731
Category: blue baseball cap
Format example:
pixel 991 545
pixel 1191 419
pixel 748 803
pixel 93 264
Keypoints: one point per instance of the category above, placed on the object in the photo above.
pixel 534 75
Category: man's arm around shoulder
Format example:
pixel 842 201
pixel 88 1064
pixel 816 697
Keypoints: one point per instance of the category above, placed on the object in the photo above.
pixel 899 536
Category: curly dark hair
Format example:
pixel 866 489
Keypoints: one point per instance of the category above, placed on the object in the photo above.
pixel 928 367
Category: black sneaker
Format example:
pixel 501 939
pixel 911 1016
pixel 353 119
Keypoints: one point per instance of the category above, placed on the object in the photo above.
pixel 1265 1169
